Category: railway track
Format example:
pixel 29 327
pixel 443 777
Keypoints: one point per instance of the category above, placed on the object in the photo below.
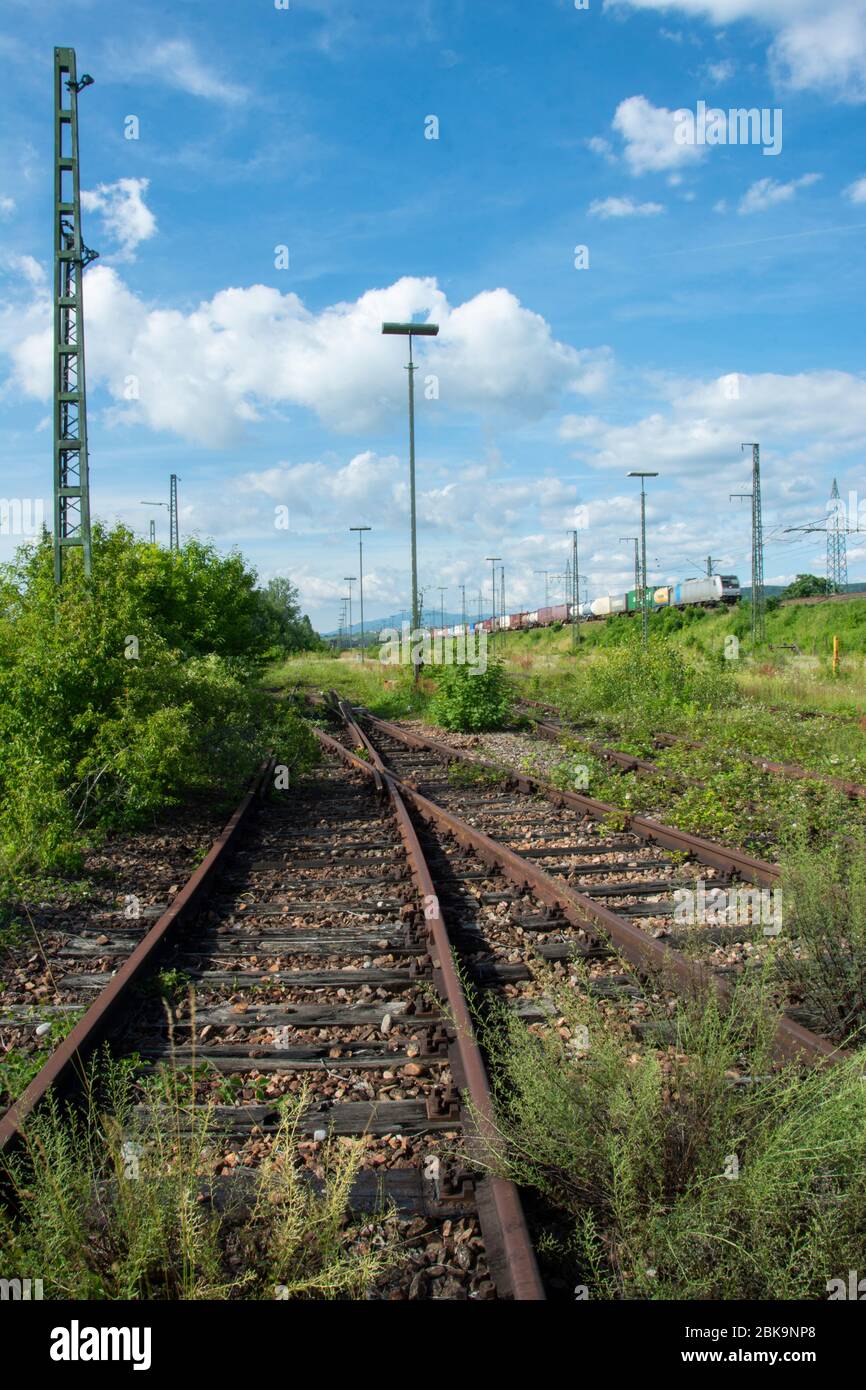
pixel 618 887
pixel 550 726
pixel 317 943
pixel 313 940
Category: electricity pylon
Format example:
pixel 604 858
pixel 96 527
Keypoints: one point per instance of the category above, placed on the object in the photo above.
pixel 758 601
pixel 837 549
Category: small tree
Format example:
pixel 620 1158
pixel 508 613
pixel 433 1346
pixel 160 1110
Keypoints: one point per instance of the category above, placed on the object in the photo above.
pixel 807 586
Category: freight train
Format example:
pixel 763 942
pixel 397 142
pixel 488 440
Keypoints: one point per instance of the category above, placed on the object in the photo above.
pixel 707 592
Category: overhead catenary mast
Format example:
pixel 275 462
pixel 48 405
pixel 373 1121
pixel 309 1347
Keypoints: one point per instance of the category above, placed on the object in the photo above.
pixel 71 257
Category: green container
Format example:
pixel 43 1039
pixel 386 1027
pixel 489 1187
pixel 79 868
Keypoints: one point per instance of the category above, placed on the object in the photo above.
pixel 632 599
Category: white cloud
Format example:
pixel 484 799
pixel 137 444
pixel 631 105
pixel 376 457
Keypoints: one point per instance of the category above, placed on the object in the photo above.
pixel 599 145
pixel 177 63
pixel 7 206
pixel 317 489
pixel 721 71
pixel 767 193
pixel 202 374
pixel 648 132
pixel 623 207
pixel 818 48
pixel 125 215
pixel 705 421
pixel 856 192
pixel 27 267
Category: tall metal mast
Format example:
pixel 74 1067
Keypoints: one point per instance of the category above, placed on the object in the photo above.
pixel 837 548
pixel 173 525
pixel 758 600
pixel 71 256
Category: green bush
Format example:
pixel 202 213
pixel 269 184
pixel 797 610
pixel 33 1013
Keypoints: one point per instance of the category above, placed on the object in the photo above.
pixel 652 682
pixel 129 692
pixel 471 701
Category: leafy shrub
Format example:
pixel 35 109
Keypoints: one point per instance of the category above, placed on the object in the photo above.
pixel 126 693
pixel 471 702
pixel 651 682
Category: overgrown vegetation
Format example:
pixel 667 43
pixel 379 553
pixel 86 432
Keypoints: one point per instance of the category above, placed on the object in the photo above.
pixel 119 1204
pixel 821 957
pixel 129 692
pixel 699 1170
pixel 651 682
pixel 470 701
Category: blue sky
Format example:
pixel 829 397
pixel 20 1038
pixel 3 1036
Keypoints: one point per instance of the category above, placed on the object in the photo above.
pixel 722 302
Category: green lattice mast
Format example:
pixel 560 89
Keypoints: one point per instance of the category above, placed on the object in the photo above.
pixel 71 256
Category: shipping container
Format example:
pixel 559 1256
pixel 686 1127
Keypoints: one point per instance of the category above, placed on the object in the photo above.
pixel 531 619
pixel 662 597
pixel 633 600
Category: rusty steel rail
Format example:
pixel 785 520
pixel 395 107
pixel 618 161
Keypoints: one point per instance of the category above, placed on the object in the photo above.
pixel 70 1056
pixel 706 851
pixel 520 1264
pixel 792 1040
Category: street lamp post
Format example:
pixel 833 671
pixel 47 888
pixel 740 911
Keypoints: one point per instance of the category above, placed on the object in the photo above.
pixel 637 473
pixel 410 330
pixel 361 530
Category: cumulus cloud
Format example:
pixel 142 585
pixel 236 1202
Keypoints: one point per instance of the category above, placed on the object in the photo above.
pixel 705 421
pixel 125 216
pixel 817 48
pixel 203 373
pixel 650 143
pixel 623 207
pixel 26 268
pixel 767 193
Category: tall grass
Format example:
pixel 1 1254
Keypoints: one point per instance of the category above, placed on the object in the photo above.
pixel 821 959
pixel 112 1202
pixel 697 1171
